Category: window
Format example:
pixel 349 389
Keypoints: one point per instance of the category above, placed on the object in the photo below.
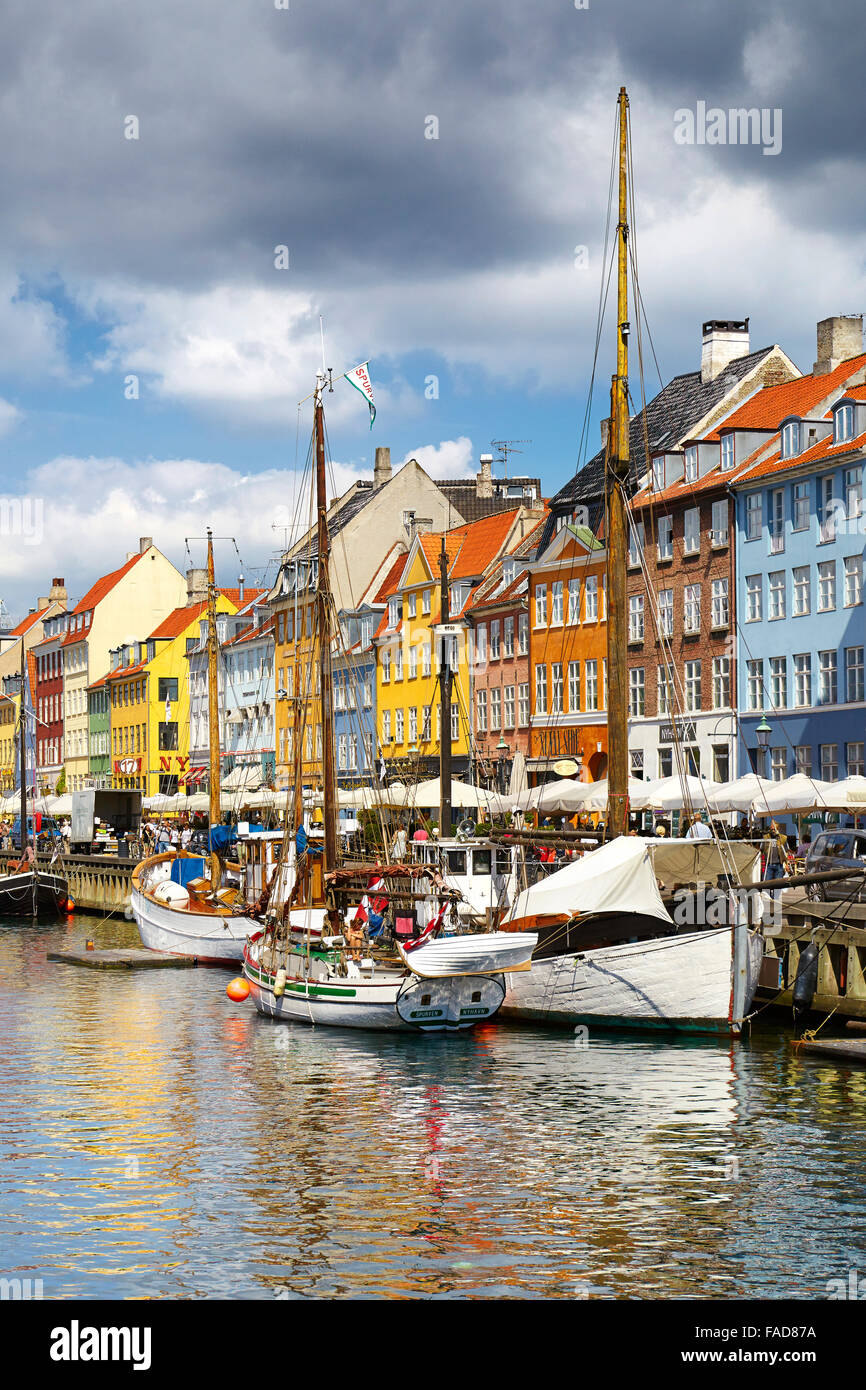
pixel 425 602
pixel 426 724
pixel 829 755
pixel 592 598
pixel 496 709
pixel 777 594
pixel 692 608
pixel 826 586
pixel 802 679
pixel 541 605
pixel 658 472
pixel 412 600
pixel 168 736
pixel 853 580
pixel 803 759
pixel 556 603
pixel 635 545
pixel 802 591
pixel 826 510
pixel 413 663
pixel 790 439
pixel 494 640
pixel 854 673
pixel 574 686
pixel 665 538
pixel 727 452
pixel 592 685
pixel 754 516
pixel 523 705
pixel 721 614
pixel 853 493
pixel 777 521
pixel 508 703
pixel 719 528
pixel 827 678
pixel 556 688
pixel 508 637
pixel 854 759
pixel 636 762
pixel 666 612
pixel 509 572
pixel 843 423
pixel 386 665
pixel 779 681
pixel 455 722
pixel 574 601
pixel 481 711
pixel 800 507
pixel 693 686
pixel 692 531
pixel 754 597
pixel 665 689
pixel 635 618
pixel 523 634
pixel 541 689
pixel 636 692
pixel 398 664
pixel 426 659
pixel 778 764
pixel 755 674
pixel 393 612
pixel 691 464
pixel 721 682
pixel 342 747
pixel 386 726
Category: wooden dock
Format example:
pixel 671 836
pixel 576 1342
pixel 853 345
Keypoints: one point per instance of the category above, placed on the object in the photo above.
pixel 840 928
pixel 841 1049
pixel 123 960
pixel 97 882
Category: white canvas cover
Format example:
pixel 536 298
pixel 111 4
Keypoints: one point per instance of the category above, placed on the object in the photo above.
pixel 797 793
pixel 618 877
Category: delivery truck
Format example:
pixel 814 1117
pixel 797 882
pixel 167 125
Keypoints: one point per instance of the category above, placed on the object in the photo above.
pixel 97 810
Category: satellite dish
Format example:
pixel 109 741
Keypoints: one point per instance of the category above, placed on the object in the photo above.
pixel 566 767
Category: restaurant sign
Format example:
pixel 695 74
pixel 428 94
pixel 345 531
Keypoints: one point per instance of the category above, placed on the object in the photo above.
pixel 673 733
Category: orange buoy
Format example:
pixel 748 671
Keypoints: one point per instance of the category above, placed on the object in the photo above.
pixel 70 906
pixel 89 946
pixel 238 990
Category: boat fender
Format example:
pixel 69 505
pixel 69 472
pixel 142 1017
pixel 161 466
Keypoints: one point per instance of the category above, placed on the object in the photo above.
pixel 129 914
pixel 806 982
pixel 280 983
pixel 69 907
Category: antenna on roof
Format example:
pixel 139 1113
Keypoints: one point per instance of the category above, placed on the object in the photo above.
pixel 506 447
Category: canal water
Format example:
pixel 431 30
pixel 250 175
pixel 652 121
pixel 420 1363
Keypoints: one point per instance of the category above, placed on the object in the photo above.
pixel 159 1140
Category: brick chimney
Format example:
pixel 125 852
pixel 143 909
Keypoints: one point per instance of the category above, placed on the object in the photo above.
pixel 723 341
pixel 196 586
pixel 484 479
pixel 382 469
pixel 58 592
pixel 839 338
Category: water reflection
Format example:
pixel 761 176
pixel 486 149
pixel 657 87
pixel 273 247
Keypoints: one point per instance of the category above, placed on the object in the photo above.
pixel 160 1140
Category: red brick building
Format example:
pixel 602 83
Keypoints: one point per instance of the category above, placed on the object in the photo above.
pixel 48 703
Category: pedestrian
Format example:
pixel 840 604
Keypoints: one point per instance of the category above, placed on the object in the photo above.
pixel 660 829
pixel 699 830
pixel 774 848
pixel 186 838
pixel 398 845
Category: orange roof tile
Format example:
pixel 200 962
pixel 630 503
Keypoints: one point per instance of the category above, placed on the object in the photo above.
pixel 121 672
pixel 26 623
pixel 824 449
pixel 389 583
pixel 768 407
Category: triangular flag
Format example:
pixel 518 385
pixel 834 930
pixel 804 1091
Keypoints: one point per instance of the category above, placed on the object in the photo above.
pixel 359 377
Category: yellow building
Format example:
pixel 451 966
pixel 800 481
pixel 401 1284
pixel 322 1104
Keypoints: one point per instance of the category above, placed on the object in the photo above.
pixel 8 724
pixel 148 688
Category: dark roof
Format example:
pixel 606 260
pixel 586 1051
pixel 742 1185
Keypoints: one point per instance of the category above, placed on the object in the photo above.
pixel 682 403
pixel 462 493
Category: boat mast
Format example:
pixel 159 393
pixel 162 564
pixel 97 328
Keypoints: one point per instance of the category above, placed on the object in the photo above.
pixel 616 482
pixel 445 701
pixel 323 614
pixel 22 754
pixel 213 706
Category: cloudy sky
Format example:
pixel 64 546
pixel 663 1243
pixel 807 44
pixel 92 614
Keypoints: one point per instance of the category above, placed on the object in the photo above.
pixel 451 258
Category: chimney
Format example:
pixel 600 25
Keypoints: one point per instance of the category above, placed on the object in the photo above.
pixel 484 479
pixel 42 603
pixel 382 469
pixel 144 543
pixel 240 588
pixel 723 341
pixel 196 586
pixel 58 592
pixel 839 339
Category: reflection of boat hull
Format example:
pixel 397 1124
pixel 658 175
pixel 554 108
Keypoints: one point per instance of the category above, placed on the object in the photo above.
pixel 213 938
pixel 673 983
pixel 32 894
pixel 395 1002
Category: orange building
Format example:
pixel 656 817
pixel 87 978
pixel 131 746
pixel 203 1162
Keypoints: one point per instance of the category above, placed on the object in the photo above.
pixel 568 655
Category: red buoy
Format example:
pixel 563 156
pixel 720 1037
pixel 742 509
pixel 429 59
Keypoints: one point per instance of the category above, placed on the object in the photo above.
pixel 70 906
pixel 238 990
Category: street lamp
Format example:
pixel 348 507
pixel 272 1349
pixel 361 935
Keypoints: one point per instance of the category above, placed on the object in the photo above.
pixel 502 750
pixel 762 734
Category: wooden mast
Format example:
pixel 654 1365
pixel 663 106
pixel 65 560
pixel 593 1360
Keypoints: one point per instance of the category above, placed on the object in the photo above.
pixel 445 701
pixel 323 607
pixel 213 708
pixel 22 755
pixel 616 482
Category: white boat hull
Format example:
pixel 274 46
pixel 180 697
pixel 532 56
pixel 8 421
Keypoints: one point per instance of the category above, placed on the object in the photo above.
pixel 211 938
pixel 680 983
pixel 482 953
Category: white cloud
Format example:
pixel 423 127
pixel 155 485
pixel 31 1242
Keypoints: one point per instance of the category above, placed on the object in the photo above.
pixel 450 459
pixel 10 416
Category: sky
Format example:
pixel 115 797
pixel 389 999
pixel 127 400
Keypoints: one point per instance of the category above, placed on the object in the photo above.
pixel 438 176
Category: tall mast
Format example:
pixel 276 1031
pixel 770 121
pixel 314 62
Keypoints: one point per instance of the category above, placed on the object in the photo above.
pixel 323 606
pixel 213 702
pixel 445 682
pixel 22 752
pixel 616 482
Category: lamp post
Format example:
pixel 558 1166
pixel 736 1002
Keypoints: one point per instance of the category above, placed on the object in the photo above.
pixel 762 734
pixel 502 750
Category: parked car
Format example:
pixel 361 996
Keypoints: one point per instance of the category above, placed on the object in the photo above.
pixel 46 828
pixel 838 849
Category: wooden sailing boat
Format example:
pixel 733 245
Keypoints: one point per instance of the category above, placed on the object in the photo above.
pixel 308 963
pixel 29 891
pixel 609 951
pixel 185 904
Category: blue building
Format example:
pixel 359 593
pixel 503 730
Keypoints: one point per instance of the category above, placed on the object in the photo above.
pixel 801 622
pixel 249 694
pixel 354 668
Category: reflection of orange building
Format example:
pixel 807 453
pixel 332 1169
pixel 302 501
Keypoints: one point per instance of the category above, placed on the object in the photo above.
pixel 568 655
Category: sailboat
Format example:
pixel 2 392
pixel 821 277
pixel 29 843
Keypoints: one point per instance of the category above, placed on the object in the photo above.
pixel 309 962
pixel 612 952
pixel 186 904
pixel 28 891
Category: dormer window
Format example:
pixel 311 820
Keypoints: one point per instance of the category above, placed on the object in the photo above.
pixel 843 423
pixel 692 463
pixel 727 452
pixel 509 570
pixel 658 473
pixel 790 439
pixel 393 612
